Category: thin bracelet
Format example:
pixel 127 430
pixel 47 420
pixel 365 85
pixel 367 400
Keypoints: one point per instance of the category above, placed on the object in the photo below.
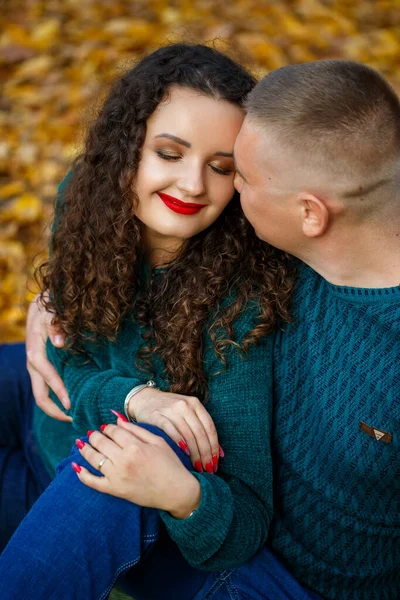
pixel 130 395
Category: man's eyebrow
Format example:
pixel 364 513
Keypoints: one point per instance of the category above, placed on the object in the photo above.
pixel 238 171
pixel 174 139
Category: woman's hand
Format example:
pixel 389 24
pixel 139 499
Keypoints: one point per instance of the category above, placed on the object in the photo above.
pixel 184 419
pixel 41 371
pixel 139 467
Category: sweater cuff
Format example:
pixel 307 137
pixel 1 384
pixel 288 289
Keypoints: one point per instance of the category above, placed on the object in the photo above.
pixel 209 524
pixel 111 394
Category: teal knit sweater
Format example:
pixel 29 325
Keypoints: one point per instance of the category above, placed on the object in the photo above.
pixel 336 517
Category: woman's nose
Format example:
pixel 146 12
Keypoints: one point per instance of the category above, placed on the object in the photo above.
pixel 192 181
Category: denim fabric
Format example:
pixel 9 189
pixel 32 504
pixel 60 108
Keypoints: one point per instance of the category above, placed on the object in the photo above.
pixel 163 573
pixel 263 577
pixel 23 476
pixel 75 543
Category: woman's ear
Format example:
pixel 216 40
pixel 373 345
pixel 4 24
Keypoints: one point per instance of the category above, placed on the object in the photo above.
pixel 314 215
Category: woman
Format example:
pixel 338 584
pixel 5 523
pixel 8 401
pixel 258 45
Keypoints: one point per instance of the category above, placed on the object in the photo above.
pixel 155 273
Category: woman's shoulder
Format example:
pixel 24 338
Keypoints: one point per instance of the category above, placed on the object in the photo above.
pixel 236 328
pixel 246 312
pixel 64 183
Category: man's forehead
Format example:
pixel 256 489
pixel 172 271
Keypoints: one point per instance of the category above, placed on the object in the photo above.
pixel 249 127
pixel 252 135
pixel 248 144
pixel 262 141
pixel 259 153
pixel 243 138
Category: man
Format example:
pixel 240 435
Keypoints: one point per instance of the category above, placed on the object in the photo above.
pixel 318 170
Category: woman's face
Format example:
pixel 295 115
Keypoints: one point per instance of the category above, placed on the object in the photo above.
pixel 185 176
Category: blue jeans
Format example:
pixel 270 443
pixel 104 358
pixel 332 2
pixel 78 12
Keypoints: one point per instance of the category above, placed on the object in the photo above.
pixel 75 543
pixel 262 578
pixel 22 474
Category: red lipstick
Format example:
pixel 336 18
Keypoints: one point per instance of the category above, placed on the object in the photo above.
pixel 183 208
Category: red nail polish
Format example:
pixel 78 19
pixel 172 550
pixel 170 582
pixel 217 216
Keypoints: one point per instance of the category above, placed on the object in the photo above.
pixel 89 433
pixel 80 444
pixel 183 446
pixel 118 415
pixel 209 467
pixel 215 463
pixel 102 428
pixel 76 467
pixel 221 453
pixel 198 466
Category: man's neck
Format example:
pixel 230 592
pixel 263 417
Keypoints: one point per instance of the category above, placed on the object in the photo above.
pixel 367 260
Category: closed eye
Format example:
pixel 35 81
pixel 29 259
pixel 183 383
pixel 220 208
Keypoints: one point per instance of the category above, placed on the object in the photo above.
pixel 221 171
pixel 168 156
pixel 175 157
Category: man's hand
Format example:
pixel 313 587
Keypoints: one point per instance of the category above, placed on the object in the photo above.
pixel 42 373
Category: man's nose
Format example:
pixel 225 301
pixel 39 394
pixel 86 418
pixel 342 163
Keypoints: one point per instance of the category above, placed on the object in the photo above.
pixel 238 182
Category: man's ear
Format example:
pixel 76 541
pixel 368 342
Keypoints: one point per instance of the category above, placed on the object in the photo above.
pixel 314 215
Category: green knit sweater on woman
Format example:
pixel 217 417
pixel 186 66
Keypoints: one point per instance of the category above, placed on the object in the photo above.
pixel 236 505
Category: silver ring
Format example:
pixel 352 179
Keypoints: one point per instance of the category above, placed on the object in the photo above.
pixel 101 463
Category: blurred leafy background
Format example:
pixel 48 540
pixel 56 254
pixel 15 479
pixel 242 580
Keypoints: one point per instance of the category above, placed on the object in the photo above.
pixel 57 58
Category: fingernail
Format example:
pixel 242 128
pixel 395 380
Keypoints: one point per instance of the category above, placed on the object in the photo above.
pixel 209 467
pixel 58 340
pixel 80 444
pixel 221 453
pixel 89 433
pixel 183 446
pixel 198 466
pixel 76 467
pixel 102 428
pixel 215 463
pixel 118 415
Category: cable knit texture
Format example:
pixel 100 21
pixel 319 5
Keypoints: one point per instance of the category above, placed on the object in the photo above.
pixel 337 489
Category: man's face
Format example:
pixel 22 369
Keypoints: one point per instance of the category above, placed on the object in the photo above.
pixel 267 187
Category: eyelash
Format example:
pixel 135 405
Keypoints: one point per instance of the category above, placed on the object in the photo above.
pixel 215 169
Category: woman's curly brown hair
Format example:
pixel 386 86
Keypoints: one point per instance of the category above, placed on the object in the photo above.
pixel 97 255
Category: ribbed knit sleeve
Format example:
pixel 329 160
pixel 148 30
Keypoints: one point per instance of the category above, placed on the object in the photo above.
pixel 233 518
pixel 93 391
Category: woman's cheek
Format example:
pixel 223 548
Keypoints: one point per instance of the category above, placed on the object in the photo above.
pixel 153 172
pixel 227 192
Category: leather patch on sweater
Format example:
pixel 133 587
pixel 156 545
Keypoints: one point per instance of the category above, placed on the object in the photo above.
pixel 378 434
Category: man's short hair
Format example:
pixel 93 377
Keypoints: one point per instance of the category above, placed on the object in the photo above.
pixel 341 115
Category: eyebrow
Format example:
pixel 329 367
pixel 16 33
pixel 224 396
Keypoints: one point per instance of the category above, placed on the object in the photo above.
pixel 227 154
pixel 174 139
pixel 182 142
